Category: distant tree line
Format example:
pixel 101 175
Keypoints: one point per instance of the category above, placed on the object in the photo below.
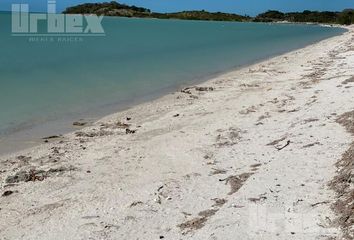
pixel 345 17
pixel 117 9
pixel 109 9
pixel 203 15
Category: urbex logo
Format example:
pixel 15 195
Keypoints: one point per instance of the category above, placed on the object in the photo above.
pixel 27 24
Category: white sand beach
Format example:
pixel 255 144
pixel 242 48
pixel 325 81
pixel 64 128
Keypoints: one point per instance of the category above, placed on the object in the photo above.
pixel 250 154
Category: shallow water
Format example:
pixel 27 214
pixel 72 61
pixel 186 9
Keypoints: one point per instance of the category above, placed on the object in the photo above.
pixel 44 83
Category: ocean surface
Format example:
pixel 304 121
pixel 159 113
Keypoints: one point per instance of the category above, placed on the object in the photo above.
pixel 49 84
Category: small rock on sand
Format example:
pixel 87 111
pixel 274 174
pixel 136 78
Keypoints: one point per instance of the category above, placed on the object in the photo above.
pixel 7 193
pixel 79 124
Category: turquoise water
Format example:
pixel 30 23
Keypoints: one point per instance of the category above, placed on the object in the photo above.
pixel 43 82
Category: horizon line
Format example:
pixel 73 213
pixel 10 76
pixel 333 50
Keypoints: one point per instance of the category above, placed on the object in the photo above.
pixel 9 11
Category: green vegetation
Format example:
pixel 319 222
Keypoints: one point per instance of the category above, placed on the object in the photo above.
pixel 109 9
pixel 116 9
pixel 204 15
pixel 345 17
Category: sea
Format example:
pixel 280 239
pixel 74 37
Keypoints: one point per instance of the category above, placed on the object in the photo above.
pixel 48 81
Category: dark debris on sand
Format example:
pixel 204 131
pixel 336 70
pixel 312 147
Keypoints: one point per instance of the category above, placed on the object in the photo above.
pixel 7 193
pixel 33 175
pixel 343 183
pixel 92 134
pixel 236 182
pixel 198 222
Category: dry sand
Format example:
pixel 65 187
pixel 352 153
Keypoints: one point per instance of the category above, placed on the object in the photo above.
pixel 250 155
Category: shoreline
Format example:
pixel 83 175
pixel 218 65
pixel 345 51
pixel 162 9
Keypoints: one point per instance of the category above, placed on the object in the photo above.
pixel 229 157
pixel 33 136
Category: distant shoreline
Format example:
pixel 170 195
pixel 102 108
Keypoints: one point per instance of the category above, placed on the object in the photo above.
pixel 346 17
pixel 232 17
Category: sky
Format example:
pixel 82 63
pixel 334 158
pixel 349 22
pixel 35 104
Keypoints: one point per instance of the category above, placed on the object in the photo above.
pixel 244 7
